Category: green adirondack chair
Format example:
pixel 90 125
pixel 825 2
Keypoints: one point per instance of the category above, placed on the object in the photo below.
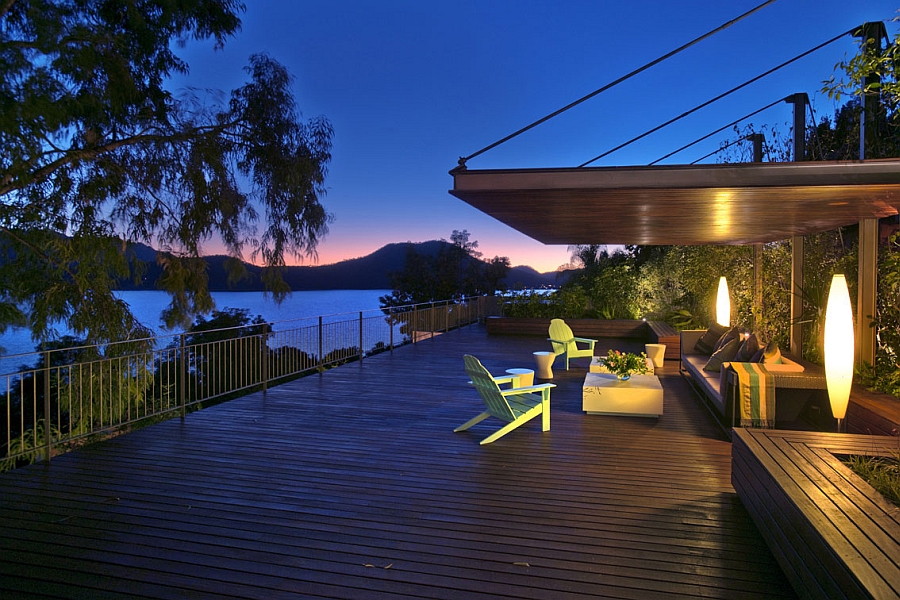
pixel 564 341
pixel 515 406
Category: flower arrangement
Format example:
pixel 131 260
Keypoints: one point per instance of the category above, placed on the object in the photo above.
pixel 624 364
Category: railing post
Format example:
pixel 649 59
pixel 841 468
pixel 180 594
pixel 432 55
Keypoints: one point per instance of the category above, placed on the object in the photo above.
pixel 264 365
pixel 182 396
pixel 321 355
pixel 431 320
pixel 360 336
pixel 414 324
pixel 47 443
pixel 391 327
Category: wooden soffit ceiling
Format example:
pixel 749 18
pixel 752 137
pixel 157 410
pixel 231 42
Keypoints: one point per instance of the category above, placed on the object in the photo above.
pixel 683 204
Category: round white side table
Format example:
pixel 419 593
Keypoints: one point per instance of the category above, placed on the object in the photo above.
pixel 526 376
pixel 544 361
pixel 656 353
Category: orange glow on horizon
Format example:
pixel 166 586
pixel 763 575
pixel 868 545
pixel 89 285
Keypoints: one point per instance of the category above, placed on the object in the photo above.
pixel 543 259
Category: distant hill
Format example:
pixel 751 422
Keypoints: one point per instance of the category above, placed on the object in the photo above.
pixel 370 272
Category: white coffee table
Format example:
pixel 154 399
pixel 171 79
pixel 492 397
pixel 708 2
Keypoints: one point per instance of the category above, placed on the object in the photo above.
pixel 640 396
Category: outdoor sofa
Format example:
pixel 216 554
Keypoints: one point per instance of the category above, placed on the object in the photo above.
pixel 799 385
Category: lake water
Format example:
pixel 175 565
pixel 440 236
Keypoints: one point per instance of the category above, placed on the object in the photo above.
pixel 148 305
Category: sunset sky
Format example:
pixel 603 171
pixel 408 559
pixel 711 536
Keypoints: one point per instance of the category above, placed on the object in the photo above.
pixel 411 86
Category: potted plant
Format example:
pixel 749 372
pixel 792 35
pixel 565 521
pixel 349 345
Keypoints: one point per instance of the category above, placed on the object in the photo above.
pixel 625 364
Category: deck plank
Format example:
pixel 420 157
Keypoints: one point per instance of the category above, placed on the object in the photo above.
pixel 317 487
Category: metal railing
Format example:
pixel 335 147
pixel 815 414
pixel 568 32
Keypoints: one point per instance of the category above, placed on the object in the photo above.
pixel 77 393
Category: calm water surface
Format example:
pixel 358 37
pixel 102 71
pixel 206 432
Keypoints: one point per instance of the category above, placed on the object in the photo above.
pixel 148 305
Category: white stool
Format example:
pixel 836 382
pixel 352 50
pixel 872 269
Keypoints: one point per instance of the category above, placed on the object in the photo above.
pixel 544 361
pixel 526 376
pixel 656 353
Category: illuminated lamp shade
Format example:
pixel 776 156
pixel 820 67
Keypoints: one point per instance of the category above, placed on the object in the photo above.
pixel 723 304
pixel 839 343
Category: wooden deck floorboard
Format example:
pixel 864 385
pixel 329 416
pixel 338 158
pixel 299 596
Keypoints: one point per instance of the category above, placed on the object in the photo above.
pixel 352 484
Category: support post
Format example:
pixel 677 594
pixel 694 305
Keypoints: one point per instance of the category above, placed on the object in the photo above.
pixel 48 445
pixel 757 139
pixel 866 291
pixel 797 295
pixel 799 101
pixel 757 286
pixel 264 358
pixel 321 356
pixel 182 392
pixel 870 35
pixel 360 336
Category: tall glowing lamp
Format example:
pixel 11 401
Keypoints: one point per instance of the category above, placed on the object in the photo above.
pixel 723 304
pixel 839 343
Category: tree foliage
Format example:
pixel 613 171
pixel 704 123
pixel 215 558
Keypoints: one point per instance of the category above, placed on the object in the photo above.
pixel 454 272
pixel 609 281
pixel 96 152
pixel 871 78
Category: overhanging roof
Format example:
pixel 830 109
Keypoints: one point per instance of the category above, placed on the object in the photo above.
pixel 683 204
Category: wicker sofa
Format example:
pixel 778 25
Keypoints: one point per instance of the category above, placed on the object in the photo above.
pixel 798 383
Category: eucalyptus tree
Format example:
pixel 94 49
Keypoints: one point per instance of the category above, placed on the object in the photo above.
pixel 97 152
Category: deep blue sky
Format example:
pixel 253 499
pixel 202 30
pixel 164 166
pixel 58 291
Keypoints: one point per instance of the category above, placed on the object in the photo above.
pixel 410 86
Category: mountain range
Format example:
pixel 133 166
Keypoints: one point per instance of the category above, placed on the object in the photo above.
pixel 370 272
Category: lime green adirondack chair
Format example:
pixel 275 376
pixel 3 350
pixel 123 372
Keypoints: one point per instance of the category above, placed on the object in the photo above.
pixel 515 406
pixel 564 341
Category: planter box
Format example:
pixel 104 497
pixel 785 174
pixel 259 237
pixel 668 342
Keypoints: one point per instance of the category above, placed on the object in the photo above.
pixel 654 332
pixel 831 533
pixel 873 413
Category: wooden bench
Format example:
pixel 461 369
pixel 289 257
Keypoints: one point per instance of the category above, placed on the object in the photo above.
pixel 831 533
pixel 588 328
pixel 661 332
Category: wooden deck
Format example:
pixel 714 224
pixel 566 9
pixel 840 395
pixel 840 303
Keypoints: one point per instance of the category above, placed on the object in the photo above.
pixel 351 484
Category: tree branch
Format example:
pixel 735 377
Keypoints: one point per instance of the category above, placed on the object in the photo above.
pixel 37 251
pixel 5 7
pixel 8 184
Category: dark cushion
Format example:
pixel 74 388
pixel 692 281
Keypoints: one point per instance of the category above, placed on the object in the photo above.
pixel 722 355
pixel 731 334
pixel 707 342
pixel 757 356
pixel 748 348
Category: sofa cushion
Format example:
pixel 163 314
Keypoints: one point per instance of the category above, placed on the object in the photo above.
pixel 708 382
pixel 722 355
pixel 748 348
pixel 785 366
pixel 707 342
pixel 771 354
pixel 730 334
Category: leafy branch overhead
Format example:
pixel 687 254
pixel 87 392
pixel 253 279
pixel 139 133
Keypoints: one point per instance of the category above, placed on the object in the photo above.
pixel 97 152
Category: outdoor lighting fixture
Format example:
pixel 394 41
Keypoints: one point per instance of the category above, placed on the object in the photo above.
pixel 839 342
pixel 723 304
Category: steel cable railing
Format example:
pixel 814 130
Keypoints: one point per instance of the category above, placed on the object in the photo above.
pixel 75 394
